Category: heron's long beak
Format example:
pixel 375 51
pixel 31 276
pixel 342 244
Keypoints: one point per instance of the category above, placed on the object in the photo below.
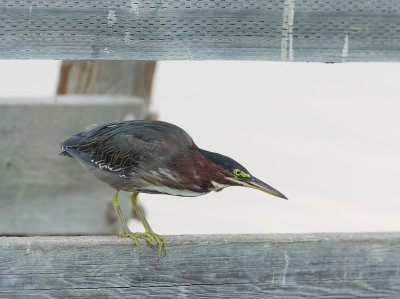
pixel 260 185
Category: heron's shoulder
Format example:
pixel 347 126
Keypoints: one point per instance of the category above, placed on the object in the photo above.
pixel 151 130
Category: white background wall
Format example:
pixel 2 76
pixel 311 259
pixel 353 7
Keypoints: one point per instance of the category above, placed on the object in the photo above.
pixel 327 136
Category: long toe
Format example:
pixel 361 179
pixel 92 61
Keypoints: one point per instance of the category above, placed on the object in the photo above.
pixel 146 237
pixel 135 236
pixel 129 234
pixel 160 241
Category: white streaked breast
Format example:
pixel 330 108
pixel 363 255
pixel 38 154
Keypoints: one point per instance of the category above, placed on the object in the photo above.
pixel 172 191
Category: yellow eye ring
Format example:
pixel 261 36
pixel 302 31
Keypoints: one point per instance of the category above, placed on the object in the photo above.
pixel 237 172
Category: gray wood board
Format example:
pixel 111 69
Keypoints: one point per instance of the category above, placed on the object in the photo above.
pixel 302 30
pixel 42 192
pixel 228 266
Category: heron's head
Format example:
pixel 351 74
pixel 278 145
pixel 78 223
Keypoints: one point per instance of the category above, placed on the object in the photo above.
pixel 237 175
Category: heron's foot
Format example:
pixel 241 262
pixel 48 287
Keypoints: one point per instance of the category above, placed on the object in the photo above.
pixel 126 233
pixel 148 231
pixel 160 241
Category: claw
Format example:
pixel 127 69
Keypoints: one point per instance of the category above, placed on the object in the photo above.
pixel 160 241
pixel 134 236
pixel 148 238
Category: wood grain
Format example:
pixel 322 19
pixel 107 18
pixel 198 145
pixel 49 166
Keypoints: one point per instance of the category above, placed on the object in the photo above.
pixel 228 266
pixel 289 30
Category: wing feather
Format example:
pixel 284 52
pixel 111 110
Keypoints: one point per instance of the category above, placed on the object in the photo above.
pixel 118 146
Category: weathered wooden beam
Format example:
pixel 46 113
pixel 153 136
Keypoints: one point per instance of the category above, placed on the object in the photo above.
pixel 223 266
pixel 40 191
pixel 312 30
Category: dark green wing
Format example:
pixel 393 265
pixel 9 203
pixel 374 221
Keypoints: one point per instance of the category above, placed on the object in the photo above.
pixel 119 146
pixel 122 150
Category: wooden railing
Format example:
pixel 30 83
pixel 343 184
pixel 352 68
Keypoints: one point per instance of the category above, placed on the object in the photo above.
pixel 220 266
pixel 312 30
pixel 228 266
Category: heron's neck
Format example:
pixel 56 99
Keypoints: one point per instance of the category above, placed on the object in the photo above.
pixel 199 170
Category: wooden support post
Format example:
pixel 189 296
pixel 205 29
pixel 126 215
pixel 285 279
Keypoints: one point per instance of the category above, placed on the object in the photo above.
pixel 131 78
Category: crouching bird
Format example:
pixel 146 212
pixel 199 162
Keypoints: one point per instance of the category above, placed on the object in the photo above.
pixel 154 157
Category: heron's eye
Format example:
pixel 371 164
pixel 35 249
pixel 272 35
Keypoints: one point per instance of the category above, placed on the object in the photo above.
pixel 240 173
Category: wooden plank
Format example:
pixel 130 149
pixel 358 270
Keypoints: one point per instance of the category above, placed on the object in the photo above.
pixel 40 191
pixel 363 265
pixel 312 30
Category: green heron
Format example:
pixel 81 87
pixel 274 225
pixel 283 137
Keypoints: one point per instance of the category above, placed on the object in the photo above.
pixel 154 157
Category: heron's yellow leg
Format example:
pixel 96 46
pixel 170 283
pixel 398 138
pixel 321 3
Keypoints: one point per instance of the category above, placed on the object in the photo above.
pixel 148 231
pixel 126 232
